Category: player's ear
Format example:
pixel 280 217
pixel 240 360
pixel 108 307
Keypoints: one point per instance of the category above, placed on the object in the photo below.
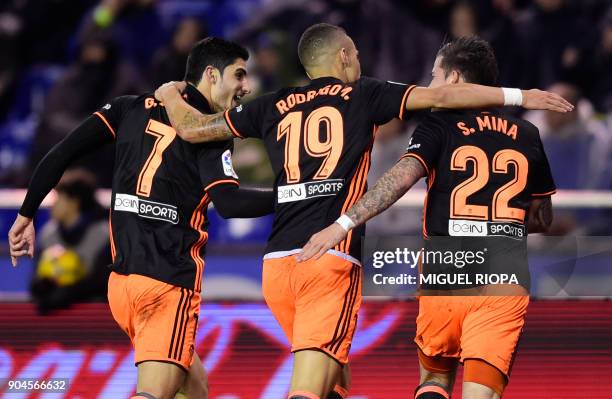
pixel 210 74
pixel 344 57
pixel 454 77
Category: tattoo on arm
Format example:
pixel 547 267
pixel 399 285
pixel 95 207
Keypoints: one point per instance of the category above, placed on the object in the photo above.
pixel 388 189
pixel 545 213
pixel 204 127
pixel 540 215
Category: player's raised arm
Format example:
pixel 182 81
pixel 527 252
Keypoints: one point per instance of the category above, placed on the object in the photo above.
pixel 387 190
pixel 467 95
pixel 190 124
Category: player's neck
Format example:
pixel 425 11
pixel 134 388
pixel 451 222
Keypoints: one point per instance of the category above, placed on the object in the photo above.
pixel 326 73
pixel 205 90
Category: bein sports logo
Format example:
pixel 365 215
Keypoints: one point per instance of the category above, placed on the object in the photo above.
pixel 313 189
pixel 467 228
pixel 109 373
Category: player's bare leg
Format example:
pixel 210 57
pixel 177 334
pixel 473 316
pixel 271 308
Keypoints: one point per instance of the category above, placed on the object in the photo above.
pixel 159 380
pixel 472 390
pixel 343 384
pixel 431 382
pixel 195 385
pixel 314 373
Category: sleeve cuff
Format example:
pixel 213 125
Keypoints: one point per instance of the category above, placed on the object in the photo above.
pixel 547 194
pixel 231 125
pixel 418 158
pixel 404 101
pixel 224 181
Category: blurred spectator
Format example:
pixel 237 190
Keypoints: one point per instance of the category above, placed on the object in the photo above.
pixel 74 247
pixel 34 31
pixel 96 77
pixel 553 41
pixel 135 25
pixel 598 74
pixel 169 61
pixel 578 149
pixel 268 68
pixel 463 21
pixel 392 43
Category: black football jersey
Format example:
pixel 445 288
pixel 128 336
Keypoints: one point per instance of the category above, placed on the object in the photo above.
pixel 319 139
pixel 159 194
pixel 483 171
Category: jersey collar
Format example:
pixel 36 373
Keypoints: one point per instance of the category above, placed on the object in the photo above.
pixel 325 80
pixel 197 100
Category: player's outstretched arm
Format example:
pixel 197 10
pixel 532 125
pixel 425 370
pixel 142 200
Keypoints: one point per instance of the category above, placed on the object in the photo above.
pixel 87 137
pixel 467 95
pixel 232 201
pixel 387 190
pixel 190 124
pixel 540 215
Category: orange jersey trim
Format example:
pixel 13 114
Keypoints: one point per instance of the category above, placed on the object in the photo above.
pixel 197 221
pixel 231 125
pixel 418 158
pixel 404 100
pixel 544 194
pixel 224 181
pixel 110 236
pixel 106 123
pixel 359 185
pixel 432 177
pixel 345 206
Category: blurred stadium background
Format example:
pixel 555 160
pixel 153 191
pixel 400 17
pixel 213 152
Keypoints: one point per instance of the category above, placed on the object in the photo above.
pixel 61 59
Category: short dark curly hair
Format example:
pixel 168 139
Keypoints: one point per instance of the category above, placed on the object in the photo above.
pixel 215 52
pixel 473 58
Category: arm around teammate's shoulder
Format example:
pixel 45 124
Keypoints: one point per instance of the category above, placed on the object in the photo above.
pixel 468 95
pixel 190 124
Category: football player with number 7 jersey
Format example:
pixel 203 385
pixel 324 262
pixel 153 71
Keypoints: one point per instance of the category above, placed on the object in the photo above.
pixel 162 187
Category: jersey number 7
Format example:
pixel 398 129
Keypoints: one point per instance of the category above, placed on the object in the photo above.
pixel 164 135
pixel 329 148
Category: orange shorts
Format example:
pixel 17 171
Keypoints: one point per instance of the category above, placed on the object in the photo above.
pixel 315 302
pixel 160 319
pixel 471 327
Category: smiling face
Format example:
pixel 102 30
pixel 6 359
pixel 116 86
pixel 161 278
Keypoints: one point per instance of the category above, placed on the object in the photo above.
pixel 228 88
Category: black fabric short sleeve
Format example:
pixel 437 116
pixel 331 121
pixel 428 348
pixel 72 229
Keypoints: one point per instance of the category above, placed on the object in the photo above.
pixel 112 113
pixel 426 142
pixel 541 181
pixel 215 163
pixel 246 120
pixel 386 100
